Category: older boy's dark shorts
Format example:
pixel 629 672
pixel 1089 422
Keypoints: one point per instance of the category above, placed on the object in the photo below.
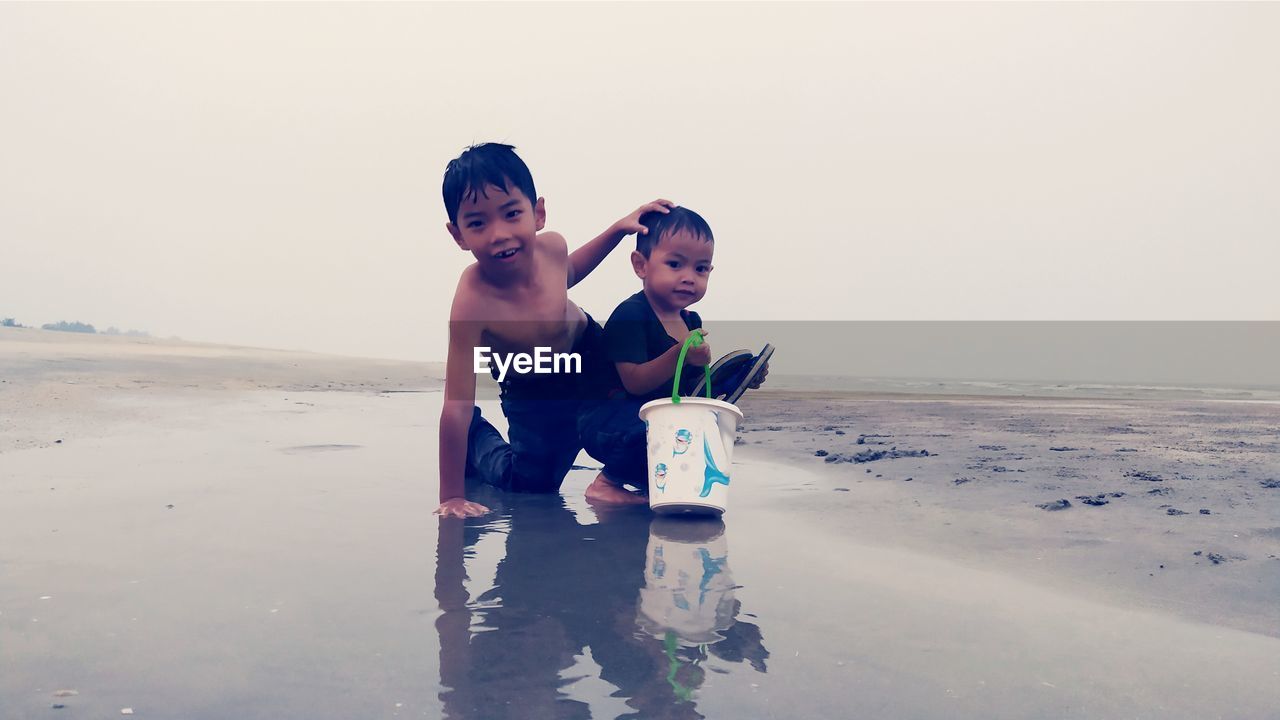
pixel 542 427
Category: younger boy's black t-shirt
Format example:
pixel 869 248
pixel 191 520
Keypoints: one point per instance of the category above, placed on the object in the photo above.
pixel 635 334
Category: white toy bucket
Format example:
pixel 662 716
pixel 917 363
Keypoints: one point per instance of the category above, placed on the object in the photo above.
pixel 690 447
pixel 688 589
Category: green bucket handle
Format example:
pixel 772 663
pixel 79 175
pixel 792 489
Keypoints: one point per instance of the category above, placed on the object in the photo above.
pixel 694 339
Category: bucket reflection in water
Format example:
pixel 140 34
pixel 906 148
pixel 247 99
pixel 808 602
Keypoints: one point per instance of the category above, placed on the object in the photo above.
pixel 688 588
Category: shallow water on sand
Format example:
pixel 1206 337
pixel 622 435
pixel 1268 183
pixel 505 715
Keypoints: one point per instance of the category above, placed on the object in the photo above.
pixel 204 569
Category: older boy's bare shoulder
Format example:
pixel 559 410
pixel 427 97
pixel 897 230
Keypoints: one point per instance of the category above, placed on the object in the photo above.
pixel 468 296
pixel 553 243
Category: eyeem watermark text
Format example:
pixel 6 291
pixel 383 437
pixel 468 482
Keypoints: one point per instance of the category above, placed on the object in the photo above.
pixel 541 362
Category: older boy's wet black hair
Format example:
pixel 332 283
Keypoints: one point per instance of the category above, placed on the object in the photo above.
pixel 480 166
pixel 660 224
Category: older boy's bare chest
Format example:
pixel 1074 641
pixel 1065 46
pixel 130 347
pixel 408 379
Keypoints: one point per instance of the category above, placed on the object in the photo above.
pixel 538 314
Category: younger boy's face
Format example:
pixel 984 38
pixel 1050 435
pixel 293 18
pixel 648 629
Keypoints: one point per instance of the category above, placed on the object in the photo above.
pixel 676 271
pixel 498 227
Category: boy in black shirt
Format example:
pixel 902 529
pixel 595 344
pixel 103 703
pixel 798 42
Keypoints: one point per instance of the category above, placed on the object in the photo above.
pixel 642 338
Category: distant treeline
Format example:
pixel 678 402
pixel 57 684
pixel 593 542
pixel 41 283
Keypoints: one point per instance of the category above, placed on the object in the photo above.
pixel 76 326
pixel 64 326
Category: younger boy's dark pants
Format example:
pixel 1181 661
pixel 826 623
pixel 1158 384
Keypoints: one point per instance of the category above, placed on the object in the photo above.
pixel 613 433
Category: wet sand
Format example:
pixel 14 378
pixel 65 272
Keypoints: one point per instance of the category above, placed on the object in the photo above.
pixel 1169 505
pixel 233 532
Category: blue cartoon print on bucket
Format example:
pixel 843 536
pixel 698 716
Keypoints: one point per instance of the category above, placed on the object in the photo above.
pixel 713 474
pixel 660 477
pixel 684 439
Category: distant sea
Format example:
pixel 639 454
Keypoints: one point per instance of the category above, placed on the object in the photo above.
pixel 1003 388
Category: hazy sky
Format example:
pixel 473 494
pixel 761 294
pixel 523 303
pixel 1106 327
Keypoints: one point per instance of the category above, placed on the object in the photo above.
pixel 270 174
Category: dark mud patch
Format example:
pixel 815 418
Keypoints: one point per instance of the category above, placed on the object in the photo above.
pixel 1098 500
pixel 867 456
pixel 1215 558
pixel 1120 430
pixel 870 439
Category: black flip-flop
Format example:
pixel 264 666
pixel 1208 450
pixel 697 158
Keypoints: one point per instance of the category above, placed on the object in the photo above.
pixel 733 373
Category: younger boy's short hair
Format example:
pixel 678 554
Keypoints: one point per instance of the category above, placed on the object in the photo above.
pixel 480 166
pixel 676 219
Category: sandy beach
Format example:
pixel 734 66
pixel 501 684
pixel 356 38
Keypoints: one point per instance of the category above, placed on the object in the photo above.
pixel 199 531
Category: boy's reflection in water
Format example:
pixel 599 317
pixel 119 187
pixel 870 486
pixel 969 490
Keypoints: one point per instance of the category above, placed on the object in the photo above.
pixel 563 587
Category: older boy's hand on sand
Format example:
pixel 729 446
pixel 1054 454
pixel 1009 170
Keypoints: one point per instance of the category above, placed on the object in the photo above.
pixel 461 507
pixel 764 373
pixel 631 223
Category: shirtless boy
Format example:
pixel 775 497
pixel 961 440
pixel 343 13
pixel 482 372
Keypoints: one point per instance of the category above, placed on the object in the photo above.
pixel 513 299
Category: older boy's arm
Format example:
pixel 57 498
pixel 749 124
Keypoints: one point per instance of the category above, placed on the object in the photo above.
pixel 585 259
pixel 455 420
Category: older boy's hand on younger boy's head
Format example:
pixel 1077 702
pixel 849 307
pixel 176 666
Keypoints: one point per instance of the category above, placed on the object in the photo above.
pixel 461 507
pixel 631 223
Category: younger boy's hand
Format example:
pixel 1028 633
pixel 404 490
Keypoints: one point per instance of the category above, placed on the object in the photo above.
pixel 461 507
pixel 764 373
pixel 699 355
pixel 631 223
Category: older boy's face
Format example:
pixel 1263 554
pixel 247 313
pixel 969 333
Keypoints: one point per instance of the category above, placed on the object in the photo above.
pixel 676 273
pixel 498 226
